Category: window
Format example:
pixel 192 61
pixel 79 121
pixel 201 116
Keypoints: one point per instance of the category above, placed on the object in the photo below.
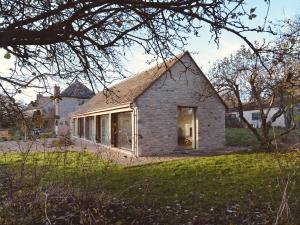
pixel 256 116
pixel 186 127
pixel 122 130
pixel 102 129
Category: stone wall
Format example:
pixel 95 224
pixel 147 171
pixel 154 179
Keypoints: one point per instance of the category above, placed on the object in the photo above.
pixel 158 111
pixel 65 106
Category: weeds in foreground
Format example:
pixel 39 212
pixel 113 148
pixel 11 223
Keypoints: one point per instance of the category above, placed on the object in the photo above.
pixel 60 186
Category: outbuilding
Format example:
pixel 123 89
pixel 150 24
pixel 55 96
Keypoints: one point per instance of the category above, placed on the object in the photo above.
pixel 169 107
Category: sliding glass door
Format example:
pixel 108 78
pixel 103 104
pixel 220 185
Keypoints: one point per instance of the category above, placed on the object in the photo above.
pixel 122 130
pixel 117 132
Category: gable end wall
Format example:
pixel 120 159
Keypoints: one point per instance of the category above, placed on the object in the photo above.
pixel 158 105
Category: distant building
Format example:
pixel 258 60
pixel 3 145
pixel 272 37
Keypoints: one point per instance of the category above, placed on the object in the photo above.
pixel 53 111
pixel 253 116
pixel 69 100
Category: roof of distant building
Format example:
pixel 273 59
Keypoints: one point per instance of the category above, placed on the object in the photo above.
pixel 77 90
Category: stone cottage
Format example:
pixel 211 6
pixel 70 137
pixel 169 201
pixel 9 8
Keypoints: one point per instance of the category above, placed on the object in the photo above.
pixel 53 111
pixel 68 101
pixel 169 107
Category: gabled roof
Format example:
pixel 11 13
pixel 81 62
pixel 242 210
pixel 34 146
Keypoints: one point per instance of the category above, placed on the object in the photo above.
pixel 128 90
pixel 77 90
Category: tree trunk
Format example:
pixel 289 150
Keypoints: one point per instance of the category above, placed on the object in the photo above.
pixel 265 142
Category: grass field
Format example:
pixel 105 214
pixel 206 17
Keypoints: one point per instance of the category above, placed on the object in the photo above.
pixel 244 137
pixel 231 189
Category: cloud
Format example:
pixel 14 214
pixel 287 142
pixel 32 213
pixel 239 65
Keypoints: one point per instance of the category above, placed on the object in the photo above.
pixel 137 62
pixel 207 57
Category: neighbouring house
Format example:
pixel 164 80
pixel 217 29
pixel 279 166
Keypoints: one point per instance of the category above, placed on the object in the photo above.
pixel 253 116
pixel 51 113
pixel 68 101
pixel 169 107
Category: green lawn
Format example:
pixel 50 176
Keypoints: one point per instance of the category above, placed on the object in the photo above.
pixel 244 137
pixel 231 189
pixel 240 137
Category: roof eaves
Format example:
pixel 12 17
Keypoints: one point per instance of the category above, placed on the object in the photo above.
pixel 126 105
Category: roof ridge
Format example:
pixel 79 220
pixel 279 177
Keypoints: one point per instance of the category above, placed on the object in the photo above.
pixel 158 66
pixel 129 89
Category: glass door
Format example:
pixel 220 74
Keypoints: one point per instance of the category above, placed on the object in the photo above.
pixel 123 130
pixel 91 128
pixel 104 129
pixel 186 128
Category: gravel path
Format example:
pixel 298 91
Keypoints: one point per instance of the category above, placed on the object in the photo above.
pixel 118 157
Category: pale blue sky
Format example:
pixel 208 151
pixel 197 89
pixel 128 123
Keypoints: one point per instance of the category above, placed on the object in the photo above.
pixel 207 52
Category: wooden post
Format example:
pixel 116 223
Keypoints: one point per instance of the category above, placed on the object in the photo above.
pixel 98 129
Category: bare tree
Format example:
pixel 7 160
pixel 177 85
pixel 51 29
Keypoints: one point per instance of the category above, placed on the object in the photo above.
pixel 9 112
pixel 265 81
pixel 287 50
pixel 88 39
